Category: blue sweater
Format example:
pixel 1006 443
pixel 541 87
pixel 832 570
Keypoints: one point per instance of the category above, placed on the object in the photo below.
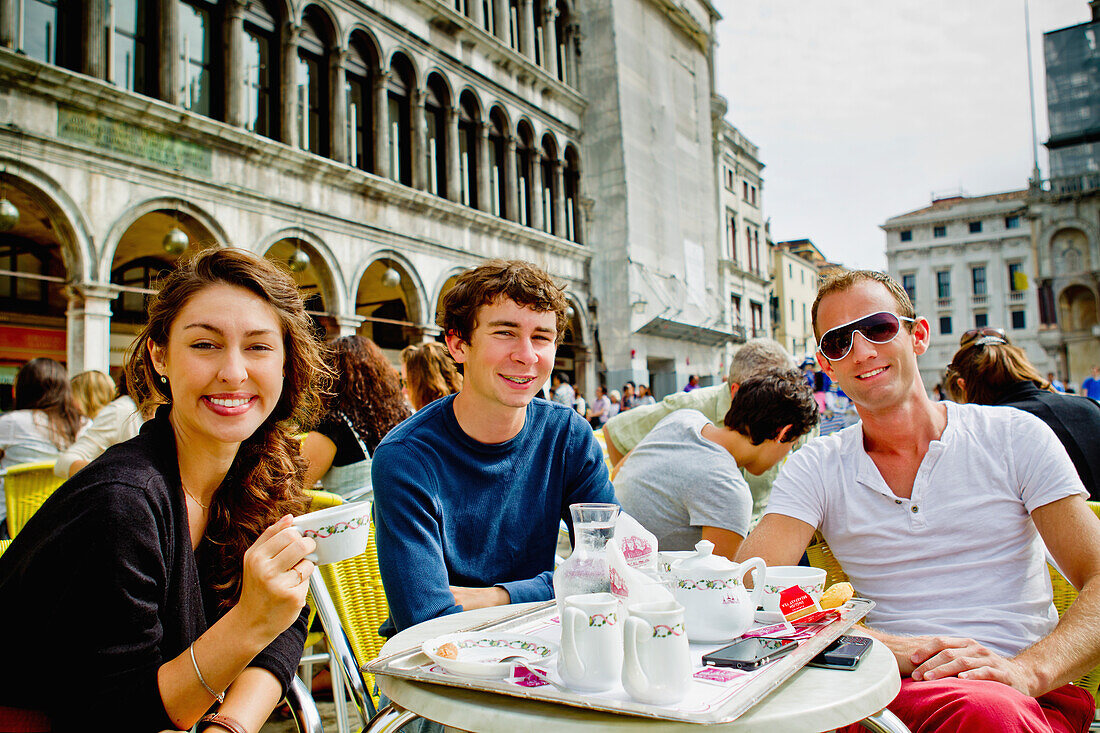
pixel 450 510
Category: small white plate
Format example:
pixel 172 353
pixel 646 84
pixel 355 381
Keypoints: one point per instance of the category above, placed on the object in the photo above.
pixel 768 617
pixel 479 653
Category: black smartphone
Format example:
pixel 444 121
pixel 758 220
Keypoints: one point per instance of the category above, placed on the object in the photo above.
pixel 844 653
pixel 750 653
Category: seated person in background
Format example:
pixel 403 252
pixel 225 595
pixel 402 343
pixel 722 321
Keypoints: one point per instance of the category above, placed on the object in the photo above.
pixel 758 355
pixel 92 390
pixel 988 370
pixel 939 513
pixel 682 481
pixel 644 396
pixel 116 422
pixel 366 402
pixel 428 373
pixel 470 491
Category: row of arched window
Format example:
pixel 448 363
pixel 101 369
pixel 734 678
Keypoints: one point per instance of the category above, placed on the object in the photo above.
pixel 245 64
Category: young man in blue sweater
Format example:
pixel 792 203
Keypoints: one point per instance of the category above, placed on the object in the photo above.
pixel 469 490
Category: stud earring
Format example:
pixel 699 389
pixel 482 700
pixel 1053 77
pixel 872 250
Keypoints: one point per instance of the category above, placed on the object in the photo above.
pixel 164 380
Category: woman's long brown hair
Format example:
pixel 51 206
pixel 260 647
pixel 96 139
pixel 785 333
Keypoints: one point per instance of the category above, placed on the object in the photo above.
pixel 367 389
pixel 42 384
pixel 430 372
pixel 264 482
pixel 989 368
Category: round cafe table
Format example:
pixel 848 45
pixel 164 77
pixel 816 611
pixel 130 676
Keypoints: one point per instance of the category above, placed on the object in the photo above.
pixel 811 700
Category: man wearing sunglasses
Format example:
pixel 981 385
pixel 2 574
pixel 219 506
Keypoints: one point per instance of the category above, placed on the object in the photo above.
pixel 939 513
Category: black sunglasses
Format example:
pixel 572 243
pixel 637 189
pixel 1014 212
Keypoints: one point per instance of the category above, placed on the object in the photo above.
pixel 974 333
pixel 878 328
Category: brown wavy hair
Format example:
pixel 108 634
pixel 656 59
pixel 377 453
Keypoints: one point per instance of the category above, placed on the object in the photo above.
pixel 264 482
pixel 430 372
pixel 42 384
pixel 521 282
pixel 367 388
pixel 989 367
pixel 92 390
pixel 767 401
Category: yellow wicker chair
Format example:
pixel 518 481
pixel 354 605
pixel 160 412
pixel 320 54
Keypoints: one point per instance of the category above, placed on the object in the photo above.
pixel 4 545
pixel 27 486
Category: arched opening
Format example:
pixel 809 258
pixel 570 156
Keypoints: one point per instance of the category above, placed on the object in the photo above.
pixel 399 100
pixel 33 276
pixel 571 178
pixel 361 70
pixel 549 185
pixel 447 285
pixel 387 299
pixel 572 353
pixel 1077 309
pixel 313 82
pixel 498 161
pixel 315 281
pixel 148 249
pixel 261 68
pixel 436 102
pixel 469 118
pixel 201 43
pixel 525 156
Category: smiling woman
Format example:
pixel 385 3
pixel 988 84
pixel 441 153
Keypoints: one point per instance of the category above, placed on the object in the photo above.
pixel 185 582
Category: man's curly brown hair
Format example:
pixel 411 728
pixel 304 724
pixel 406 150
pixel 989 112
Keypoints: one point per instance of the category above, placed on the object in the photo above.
pixel 521 282
pixel 764 403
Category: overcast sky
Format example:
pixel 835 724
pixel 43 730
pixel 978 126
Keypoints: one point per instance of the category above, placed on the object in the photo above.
pixel 863 108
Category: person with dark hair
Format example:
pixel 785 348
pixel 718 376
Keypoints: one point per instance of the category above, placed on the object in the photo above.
pixel 365 404
pixel 118 421
pixel 429 373
pixel 683 482
pixel 988 370
pixel 561 391
pixel 693 383
pixel 166 575
pixel 644 397
pixel 469 491
pixel 943 515
pixel 45 421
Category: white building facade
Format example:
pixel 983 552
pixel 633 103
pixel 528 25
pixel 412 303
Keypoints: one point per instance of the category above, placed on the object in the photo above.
pixel 796 279
pixel 967 262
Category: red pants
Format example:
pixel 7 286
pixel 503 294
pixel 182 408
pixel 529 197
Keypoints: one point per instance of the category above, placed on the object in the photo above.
pixel 973 706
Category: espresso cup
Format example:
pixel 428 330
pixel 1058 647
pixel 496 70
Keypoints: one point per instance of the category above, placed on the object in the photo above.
pixel 656 663
pixel 591 656
pixel 340 531
pixel 778 578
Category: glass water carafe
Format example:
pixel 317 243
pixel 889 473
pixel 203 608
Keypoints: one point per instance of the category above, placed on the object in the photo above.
pixel 586 570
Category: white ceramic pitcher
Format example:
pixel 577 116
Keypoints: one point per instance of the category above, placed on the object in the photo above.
pixel 591 656
pixel 711 589
pixel 656 660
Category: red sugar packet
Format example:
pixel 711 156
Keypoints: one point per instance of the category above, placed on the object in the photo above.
pixel 795 603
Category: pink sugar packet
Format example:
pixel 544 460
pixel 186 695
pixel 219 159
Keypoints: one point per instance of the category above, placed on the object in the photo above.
pixel 783 629
pixel 523 678
pixel 718 675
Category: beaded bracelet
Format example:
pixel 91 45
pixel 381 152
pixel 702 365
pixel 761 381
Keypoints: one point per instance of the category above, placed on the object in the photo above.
pixel 219 696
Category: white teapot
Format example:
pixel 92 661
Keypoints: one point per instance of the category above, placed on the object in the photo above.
pixel 717 607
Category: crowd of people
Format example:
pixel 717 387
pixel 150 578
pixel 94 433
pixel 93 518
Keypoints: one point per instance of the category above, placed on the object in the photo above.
pixel 185 582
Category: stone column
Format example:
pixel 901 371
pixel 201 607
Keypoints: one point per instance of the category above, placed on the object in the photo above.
pixel 7 23
pixel 169 76
pixel 527 29
pixel 559 197
pixel 381 125
pixel 288 86
pixel 476 14
pixel 349 325
pixel 550 38
pixel 511 180
pixel 338 102
pixel 536 190
pixel 419 135
pixel 483 178
pixel 454 168
pixel 89 327
pixel 95 61
pixel 234 63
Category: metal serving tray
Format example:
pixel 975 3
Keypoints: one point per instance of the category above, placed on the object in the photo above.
pixel 706 702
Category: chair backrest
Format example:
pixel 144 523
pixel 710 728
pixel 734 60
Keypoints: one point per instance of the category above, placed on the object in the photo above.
pixel 355 587
pixel 820 556
pixel 27 486
pixel 4 545
pixel 319 500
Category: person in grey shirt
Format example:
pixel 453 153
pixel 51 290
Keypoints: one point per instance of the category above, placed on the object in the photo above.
pixel 683 481
pixel 756 356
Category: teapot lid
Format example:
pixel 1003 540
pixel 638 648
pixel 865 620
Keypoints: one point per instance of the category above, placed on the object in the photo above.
pixel 705 560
